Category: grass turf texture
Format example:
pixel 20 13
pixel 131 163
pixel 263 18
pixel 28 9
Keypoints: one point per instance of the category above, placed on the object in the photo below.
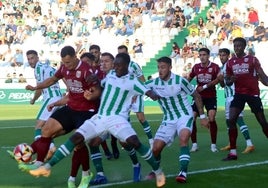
pixel 205 170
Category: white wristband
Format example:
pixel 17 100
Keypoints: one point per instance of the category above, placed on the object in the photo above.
pixel 202 116
pixel 205 86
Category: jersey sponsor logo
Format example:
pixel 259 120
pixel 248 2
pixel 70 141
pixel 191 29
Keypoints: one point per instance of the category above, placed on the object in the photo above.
pixel 241 69
pixel 78 74
pixel 204 78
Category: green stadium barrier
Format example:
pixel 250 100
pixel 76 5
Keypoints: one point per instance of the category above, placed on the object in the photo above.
pixel 22 96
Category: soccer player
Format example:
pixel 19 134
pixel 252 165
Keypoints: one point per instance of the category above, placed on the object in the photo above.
pixel 51 94
pixel 96 51
pixel 178 114
pixel 206 74
pixel 72 115
pixel 112 117
pixel 224 55
pixel 138 103
pixel 244 71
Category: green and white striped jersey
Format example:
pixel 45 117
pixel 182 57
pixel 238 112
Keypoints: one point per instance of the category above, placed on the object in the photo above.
pixel 117 94
pixel 134 69
pixel 228 90
pixel 174 96
pixel 42 71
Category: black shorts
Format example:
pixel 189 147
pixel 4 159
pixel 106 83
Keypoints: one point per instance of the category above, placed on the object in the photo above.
pixel 253 102
pixel 71 119
pixel 209 104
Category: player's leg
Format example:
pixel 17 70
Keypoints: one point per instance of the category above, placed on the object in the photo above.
pixel 244 130
pixel 96 158
pixel 85 132
pixel 256 107
pixel 228 101
pixel 194 131
pixel 236 107
pixel 138 108
pixel 184 133
pixel 126 133
pixel 115 149
pixel 135 162
pixel 211 107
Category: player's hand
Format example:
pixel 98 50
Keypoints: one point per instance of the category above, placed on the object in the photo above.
pixel 50 107
pixel 199 89
pixel 29 87
pixel 134 99
pixel 88 93
pixel 32 101
pixel 153 95
pixel 204 123
pixel 92 79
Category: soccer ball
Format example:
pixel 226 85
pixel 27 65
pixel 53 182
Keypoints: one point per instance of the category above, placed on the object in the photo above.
pixel 23 153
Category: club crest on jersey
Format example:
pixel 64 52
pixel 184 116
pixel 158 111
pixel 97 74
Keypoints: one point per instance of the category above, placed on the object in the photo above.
pixel 78 74
pixel 246 60
pixel 210 70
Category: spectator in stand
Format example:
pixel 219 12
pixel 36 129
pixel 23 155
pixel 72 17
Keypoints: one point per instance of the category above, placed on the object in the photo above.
pixel 119 28
pixel 175 53
pixel 108 21
pixel 250 49
pixel 187 12
pixel 196 4
pixel 8 78
pixel 236 31
pixel 159 12
pixel 84 29
pixel 17 58
pixel 170 8
pixel 168 20
pixel 253 17
pixel 259 32
pixel 201 23
pixel 129 27
pixel 22 79
pixel 248 31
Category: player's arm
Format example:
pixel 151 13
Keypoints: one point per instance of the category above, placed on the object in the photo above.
pixel 60 102
pixel 199 104
pixel 263 77
pixel 93 93
pixel 46 83
pixel 141 78
pixel 37 94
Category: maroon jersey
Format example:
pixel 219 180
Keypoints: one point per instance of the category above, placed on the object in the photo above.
pixel 244 70
pixel 76 82
pixel 204 75
pixel 97 71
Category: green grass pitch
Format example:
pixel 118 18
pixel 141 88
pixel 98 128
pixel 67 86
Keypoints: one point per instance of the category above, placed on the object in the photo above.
pixel 205 170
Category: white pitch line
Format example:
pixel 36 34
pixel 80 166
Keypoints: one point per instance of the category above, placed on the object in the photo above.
pixel 18 127
pixel 193 172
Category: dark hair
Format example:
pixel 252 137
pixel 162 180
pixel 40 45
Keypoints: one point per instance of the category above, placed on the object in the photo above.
pixel 224 50
pixel 122 47
pixel 108 54
pixel 31 52
pixel 88 55
pixel 164 59
pixel 204 50
pixel 94 46
pixel 240 39
pixel 124 57
pixel 67 50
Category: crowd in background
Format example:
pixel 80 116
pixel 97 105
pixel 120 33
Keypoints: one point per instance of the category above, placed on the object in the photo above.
pixel 48 25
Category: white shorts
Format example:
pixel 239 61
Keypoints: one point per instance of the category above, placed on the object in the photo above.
pixel 43 113
pixel 101 125
pixel 138 105
pixel 228 101
pixel 168 129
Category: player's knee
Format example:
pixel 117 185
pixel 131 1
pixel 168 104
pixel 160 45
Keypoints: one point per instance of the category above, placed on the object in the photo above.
pixel 77 138
pixel 133 141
